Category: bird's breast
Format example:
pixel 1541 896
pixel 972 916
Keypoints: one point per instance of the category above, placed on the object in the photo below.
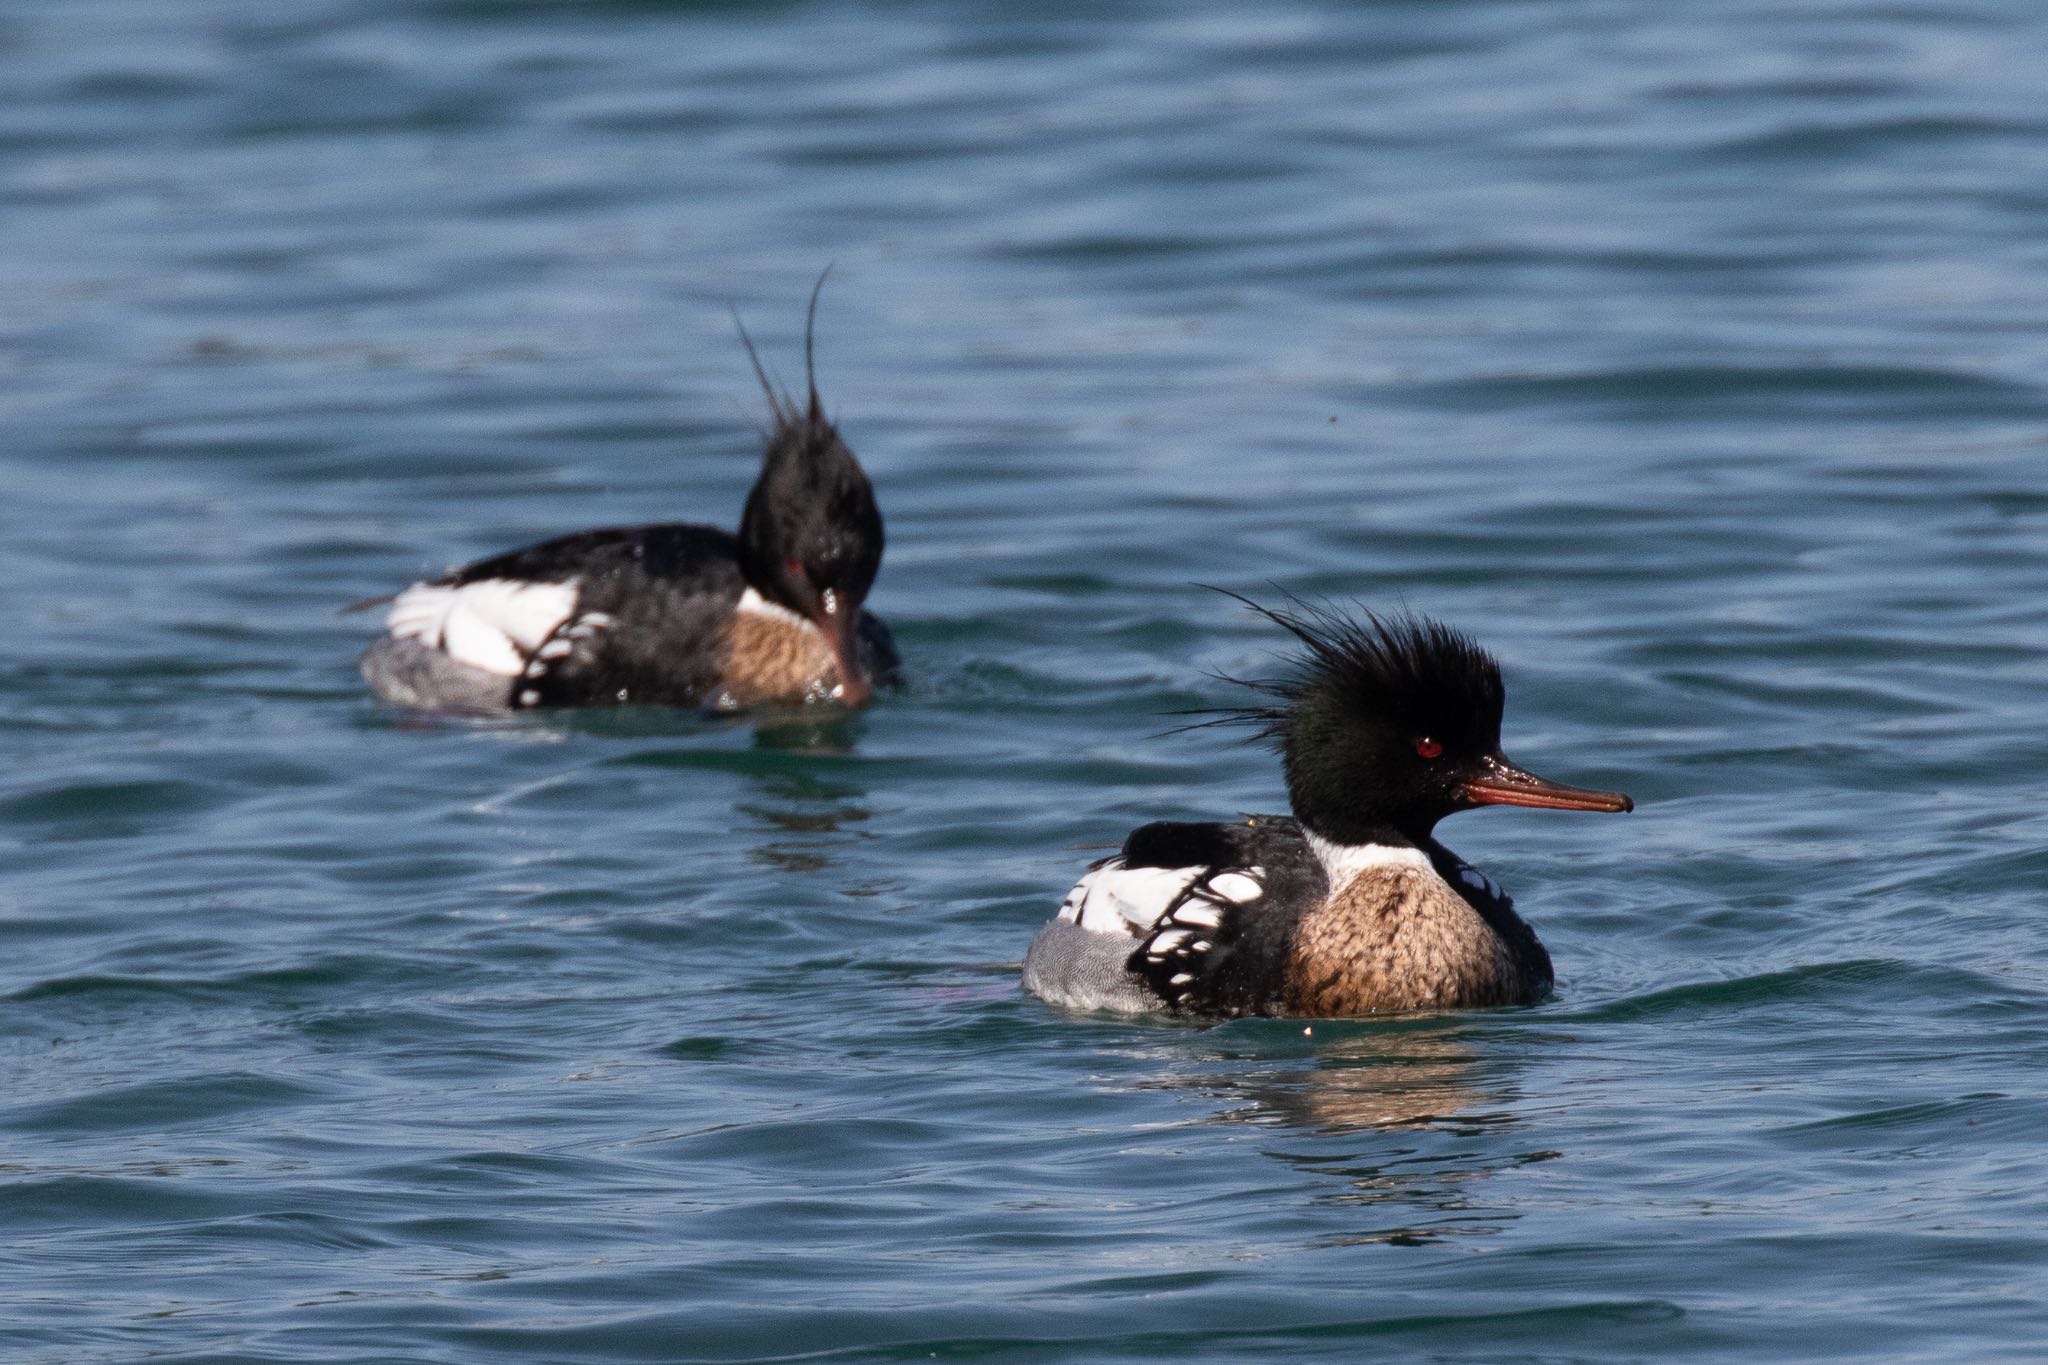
pixel 773 654
pixel 1398 938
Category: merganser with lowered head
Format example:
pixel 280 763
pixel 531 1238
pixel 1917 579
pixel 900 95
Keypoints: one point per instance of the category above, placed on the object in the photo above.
pixel 674 614
pixel 1350 907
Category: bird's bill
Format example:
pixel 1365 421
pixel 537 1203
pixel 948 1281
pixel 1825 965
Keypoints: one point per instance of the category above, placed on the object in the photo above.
pixel 842 627
pixel 1502 783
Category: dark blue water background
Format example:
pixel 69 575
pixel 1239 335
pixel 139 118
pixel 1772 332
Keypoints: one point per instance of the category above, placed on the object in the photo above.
pixel 1692 357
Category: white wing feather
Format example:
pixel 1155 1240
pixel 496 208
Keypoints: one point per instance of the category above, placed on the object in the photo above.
pixel 1114 899
pixel 493 624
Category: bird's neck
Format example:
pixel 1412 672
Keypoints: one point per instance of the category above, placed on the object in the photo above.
pixel 1380 850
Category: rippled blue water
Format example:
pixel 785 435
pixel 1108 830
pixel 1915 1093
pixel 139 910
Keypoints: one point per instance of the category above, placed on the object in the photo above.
pixel 1691 357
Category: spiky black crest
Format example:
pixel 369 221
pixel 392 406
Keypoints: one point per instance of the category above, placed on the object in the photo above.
pixel 1404 671
pixel 807 420
pixel 1378 722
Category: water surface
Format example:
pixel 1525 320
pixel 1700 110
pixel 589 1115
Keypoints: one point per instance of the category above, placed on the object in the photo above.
pixel 1691 361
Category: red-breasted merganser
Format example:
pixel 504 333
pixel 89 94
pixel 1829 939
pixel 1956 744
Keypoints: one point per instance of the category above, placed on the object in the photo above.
pixel 1385 726
pixel 675 614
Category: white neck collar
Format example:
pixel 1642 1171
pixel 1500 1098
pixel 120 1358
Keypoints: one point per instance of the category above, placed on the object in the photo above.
pixel 753 604
pixel 1342 862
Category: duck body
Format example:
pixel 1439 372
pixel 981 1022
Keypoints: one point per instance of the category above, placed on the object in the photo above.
pixel 1226 920
pixel 1351 906
pixel 669 614
pixel 653 615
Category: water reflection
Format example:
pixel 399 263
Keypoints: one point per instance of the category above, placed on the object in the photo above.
pixel 804 730
pixel 1407 1079
pixel 811 730
pixel 805 815
pixel 790 798
pixel 1408 1121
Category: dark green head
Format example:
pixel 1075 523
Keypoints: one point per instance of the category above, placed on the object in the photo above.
pixel 1390 723
pixel 811 534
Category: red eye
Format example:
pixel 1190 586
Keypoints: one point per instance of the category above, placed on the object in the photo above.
pixel 1428 748
pixel 793 567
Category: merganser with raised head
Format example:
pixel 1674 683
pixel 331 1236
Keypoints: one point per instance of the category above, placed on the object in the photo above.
pixel 674 614
pixel 1385 725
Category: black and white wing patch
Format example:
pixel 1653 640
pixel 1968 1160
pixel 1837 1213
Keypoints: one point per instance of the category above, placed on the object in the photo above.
pixel 1178 921
pixel 524 632
pixel 1196 932
pixel 494 625
pixel 571 643
pixel 1115 898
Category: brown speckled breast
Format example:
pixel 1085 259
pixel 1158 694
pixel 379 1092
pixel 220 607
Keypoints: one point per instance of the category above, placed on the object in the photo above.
pixel 1399 938
pixel 769 658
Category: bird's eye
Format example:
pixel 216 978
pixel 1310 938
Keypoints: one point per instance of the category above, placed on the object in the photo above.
pixel 1428 748
pixel 793 566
